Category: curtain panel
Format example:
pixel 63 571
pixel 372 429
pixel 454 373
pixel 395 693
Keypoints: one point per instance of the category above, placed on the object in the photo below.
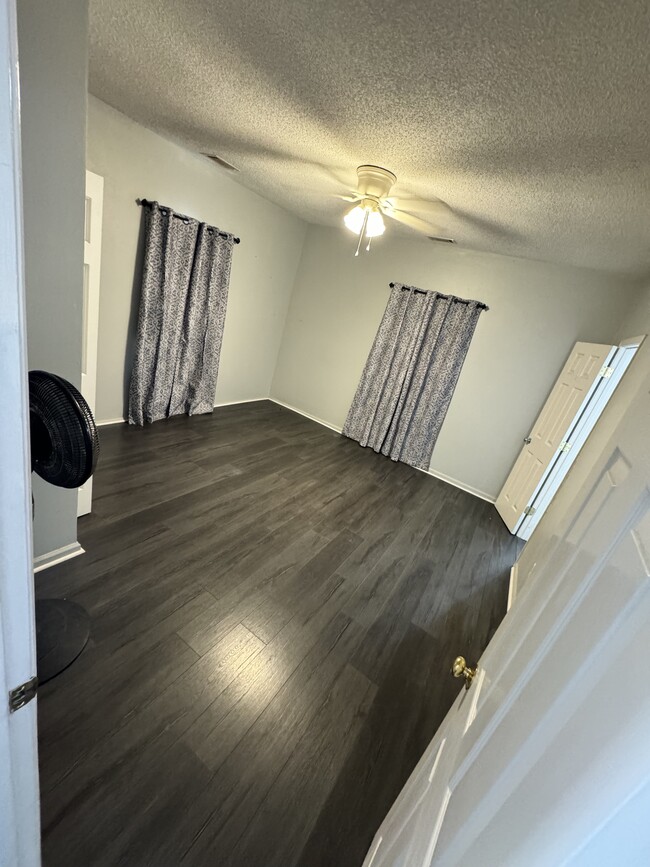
pixel 182 314
pixel 411 373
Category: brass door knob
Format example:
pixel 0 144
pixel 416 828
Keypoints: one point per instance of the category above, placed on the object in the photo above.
pixel 460 668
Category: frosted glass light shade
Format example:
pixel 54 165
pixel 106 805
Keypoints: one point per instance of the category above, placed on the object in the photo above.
pixel 354 221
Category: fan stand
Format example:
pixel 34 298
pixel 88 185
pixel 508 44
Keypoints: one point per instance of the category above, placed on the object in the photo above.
pixel 64 449
pixel 62 632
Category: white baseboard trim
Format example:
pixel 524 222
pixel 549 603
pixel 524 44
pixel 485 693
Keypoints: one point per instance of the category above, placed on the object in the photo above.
pixel 512 586
pixel 107 421
pixel 475 492
pixel 67 552
pixel 235 402
pixel 306 414
pixel 448 479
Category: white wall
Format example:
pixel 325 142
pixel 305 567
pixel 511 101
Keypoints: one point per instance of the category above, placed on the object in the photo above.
pixel 52 41
pixel 537 312
pixel 137 163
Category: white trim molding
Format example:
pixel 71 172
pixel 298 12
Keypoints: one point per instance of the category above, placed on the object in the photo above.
pixel 108 421
pixel 305 414
pixel 443 478
pixel 475 492
pixel 246 400
pixel 59 555
pixel 512 585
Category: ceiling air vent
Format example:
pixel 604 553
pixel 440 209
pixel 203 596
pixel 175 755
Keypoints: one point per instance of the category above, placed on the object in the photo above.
pixel 442 240
pixel 221 162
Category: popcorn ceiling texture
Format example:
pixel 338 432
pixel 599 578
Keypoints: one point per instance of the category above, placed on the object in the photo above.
pixel 531 120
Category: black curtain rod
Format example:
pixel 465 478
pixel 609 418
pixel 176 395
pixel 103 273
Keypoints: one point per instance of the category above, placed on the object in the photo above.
pixel 479 304
pixel 147 203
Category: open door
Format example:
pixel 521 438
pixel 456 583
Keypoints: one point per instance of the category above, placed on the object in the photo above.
pixel 548 759
pixel 577 435
pixel 19 797
pixel 90 318
pixel 571 393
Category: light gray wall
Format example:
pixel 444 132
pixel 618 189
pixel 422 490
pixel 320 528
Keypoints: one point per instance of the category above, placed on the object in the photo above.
pixel 52 41
pixel 537 312
pixel 137 163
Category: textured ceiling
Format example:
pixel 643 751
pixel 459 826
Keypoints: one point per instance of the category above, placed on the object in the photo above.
pixel 530 120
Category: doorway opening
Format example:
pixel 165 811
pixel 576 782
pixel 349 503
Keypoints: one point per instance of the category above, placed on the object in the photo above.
pixel 616 363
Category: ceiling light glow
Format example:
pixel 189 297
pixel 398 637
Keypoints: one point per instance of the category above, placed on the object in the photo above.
pixel 354 220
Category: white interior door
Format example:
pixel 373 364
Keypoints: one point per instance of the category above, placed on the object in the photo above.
pixel 409 832
pixel 92 272
pixel 19 797
pixel 617 363
pixel 569 395
pixel 553 764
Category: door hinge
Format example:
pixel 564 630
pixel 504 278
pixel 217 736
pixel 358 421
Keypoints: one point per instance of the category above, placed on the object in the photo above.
pixel 529 510
pixel 565 446
pixel 23 694
pixel 606 371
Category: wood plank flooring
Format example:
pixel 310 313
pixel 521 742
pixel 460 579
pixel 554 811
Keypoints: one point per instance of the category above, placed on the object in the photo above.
pixel 275 611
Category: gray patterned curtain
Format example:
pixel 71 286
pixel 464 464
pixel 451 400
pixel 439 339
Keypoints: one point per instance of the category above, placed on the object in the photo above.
pixel 182 314
pixel 411 373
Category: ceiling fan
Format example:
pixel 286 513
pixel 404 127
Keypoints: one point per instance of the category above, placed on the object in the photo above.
pixel 366 218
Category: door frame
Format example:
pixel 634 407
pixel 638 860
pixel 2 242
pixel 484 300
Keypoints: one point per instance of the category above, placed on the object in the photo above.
pixel 618 362
pixel 19 792
pixel 94 206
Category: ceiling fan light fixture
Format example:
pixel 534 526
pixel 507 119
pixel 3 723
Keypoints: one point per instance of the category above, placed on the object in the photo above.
pixel 354 221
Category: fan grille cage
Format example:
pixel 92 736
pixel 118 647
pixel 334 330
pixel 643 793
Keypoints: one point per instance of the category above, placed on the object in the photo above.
pixel 64 439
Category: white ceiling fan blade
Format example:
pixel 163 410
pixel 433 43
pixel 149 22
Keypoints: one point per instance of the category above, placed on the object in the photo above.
pixel 355 197
pixel 438 208
pixel 411 221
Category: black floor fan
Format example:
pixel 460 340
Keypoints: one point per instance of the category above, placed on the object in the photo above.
pixel 65 448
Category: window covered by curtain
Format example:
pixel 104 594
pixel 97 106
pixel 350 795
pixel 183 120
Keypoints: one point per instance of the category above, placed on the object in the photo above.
pixel 182 315
pixel 411 373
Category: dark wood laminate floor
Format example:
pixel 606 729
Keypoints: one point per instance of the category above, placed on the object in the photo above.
pixel 275 611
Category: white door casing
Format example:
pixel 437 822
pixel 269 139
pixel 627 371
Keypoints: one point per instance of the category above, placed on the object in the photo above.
pixel 19 795
pixel 569 394
pixel 90 316
pixel 555 765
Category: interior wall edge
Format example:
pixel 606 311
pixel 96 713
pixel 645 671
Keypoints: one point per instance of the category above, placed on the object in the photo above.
pixel 53 61
pixel 306 414
pixel 475 492
pixel 58 555
pixel 243 400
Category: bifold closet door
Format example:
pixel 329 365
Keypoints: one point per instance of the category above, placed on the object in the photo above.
pixel 566 400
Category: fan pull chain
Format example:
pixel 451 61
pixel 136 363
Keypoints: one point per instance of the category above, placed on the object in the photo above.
pixel 362 232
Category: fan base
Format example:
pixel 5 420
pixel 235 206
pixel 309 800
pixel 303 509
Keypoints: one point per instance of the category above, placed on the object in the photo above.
pixel 62 632
pixel 374 181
